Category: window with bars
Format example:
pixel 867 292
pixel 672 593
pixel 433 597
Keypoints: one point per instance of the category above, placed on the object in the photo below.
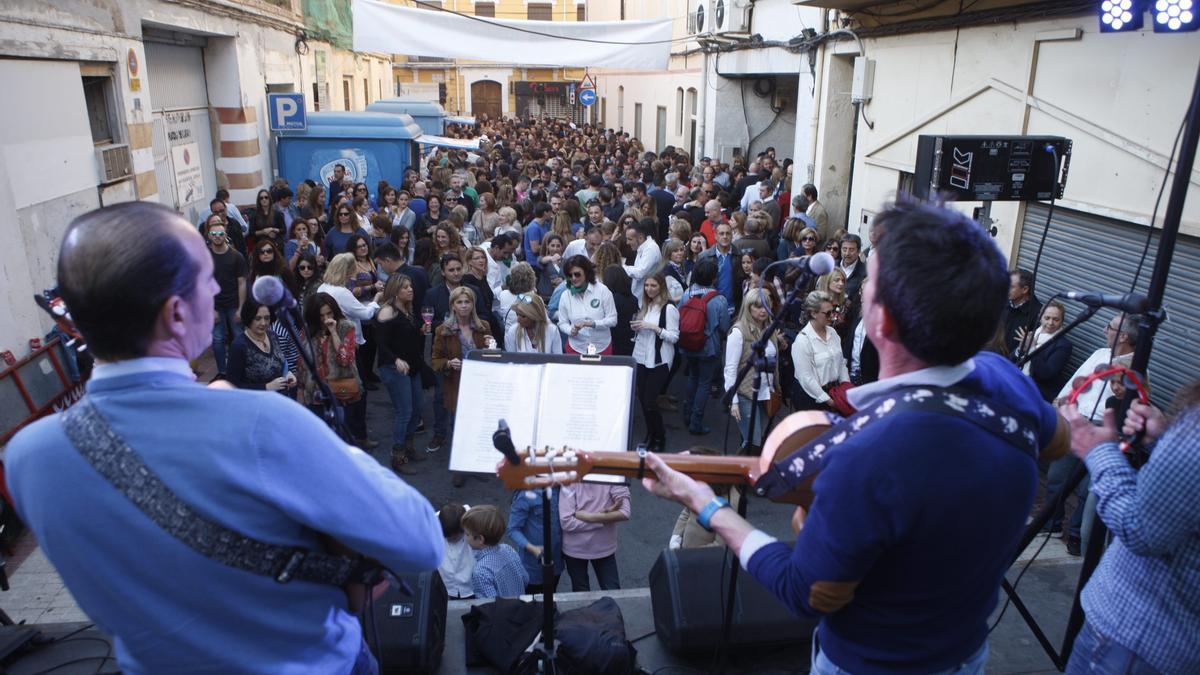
pixel 487 9
pixel 541 12
pixel 346 82
pixel 581 12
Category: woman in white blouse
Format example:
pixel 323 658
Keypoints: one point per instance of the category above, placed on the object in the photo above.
pixel 817 355
pixel 750 324
pixel 656 329
pixel 338 276
pixel 586 310
pixel 532 332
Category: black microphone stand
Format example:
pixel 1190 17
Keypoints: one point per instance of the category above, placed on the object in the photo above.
pixel 335 415
pixel 757 361
pixel 547 653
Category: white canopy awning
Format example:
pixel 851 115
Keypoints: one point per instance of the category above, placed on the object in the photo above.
pixel 394 29
pixel 460 119
pixel 446 142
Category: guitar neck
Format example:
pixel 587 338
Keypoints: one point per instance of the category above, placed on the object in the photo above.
pixel 722 470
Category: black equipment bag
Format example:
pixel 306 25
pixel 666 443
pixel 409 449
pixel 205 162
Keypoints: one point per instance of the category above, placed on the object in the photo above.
pixel 411 628
pixel 592 640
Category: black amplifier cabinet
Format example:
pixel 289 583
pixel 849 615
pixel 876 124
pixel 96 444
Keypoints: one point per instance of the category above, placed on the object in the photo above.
pixel 991 168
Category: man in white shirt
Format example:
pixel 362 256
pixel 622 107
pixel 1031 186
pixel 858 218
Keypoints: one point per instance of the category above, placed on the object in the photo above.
pixel 500 260
pixel 640 237
pixel 1120 336
pixel 586 246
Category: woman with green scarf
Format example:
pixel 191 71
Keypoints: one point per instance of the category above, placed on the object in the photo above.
pixel 586 311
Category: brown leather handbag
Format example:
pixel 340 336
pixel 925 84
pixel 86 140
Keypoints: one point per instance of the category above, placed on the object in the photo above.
pixel 346 389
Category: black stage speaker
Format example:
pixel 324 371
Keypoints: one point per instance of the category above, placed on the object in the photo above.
pixel 688 587
pixel 991 168
pixel 412 628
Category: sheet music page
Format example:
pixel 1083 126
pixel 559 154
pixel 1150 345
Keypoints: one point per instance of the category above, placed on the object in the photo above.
pixel 586 407
pixel 487 393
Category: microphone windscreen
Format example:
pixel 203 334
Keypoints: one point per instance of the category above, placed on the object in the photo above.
pixel 821 263
pixel 267 290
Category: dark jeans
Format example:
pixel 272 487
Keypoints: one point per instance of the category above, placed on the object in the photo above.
pixel 364 356
pixel 535 589
pixel 700 371
pixel 1095 654
pixel 650 383
pixel 1056 477
pixel 356 416
pixel 440 415
pixel 224 329
pixel 405 392
pixel 606 573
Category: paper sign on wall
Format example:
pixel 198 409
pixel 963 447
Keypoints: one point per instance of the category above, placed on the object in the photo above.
pixel 189 178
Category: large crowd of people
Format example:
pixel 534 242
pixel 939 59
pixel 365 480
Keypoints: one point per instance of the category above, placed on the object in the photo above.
pixel 552 238
pixel 558 238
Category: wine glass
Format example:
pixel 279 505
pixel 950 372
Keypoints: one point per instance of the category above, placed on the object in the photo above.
pixel 427 314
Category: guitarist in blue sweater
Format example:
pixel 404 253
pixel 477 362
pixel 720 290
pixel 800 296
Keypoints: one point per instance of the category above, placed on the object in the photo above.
pixel 917 514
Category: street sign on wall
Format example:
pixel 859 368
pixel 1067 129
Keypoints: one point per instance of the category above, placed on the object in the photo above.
pixel 285 112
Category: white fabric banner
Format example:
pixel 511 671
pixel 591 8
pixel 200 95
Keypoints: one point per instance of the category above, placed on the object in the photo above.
pixel 393 29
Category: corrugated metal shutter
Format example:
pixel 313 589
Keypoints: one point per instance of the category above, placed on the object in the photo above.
pixel 179 103
pixel 1085 252
pixel 176 77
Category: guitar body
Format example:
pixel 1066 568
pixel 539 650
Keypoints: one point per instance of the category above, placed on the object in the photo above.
pixel 792 433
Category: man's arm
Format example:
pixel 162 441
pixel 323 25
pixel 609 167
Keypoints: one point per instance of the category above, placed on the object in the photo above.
pixel 298 456
pixel 241 284
pixel 1151 510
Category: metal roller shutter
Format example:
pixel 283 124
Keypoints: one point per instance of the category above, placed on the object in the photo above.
pixel 1085 252
pixel 182 126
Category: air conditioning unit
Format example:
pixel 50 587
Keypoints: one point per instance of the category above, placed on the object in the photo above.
pixel 700 19
pixel 731 17
pixel 114 162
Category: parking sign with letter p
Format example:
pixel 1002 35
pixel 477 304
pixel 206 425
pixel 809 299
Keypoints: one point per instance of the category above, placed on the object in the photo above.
pixel 285 112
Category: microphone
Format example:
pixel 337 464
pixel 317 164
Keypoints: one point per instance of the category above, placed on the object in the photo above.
pixel 271 292
pixel 502 441
pixel 1130 303
pixel 817 264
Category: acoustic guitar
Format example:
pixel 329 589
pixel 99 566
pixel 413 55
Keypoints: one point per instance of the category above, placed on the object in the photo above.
pixel 560 466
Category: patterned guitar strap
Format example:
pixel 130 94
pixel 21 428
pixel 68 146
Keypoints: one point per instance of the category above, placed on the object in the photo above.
pixel 121 466
pixel 996 418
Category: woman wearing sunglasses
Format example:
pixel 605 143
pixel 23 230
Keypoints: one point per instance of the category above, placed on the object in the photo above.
pixel 817 356
pixel 345 226
pixel 586 310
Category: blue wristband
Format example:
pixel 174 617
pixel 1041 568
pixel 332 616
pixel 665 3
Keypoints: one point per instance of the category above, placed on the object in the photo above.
pixel 706 513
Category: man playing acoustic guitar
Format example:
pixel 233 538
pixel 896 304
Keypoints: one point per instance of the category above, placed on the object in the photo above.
pixel 192 523
pixel 917 510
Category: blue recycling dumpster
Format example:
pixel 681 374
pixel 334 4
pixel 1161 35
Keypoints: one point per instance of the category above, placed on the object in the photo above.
pixel 372 146
pixel 430 116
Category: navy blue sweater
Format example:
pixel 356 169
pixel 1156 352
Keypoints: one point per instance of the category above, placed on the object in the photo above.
pixel 925 511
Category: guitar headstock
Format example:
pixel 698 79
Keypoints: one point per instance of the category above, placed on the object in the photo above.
pixel 546 466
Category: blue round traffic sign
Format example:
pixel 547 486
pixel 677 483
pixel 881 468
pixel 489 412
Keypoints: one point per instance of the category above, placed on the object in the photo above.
pixel 587 96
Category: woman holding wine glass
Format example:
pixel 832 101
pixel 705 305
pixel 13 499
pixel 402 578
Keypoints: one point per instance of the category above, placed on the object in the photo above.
pixel 656 329
pixel 401 347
